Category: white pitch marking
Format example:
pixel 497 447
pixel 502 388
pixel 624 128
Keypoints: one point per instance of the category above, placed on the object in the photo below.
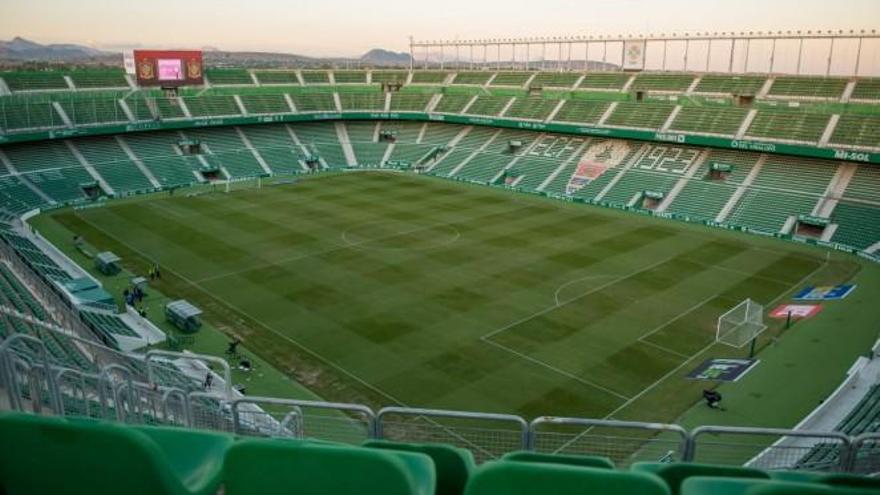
pixel 568 301
pixel 553 368
pixel 359 244
pixel 571 282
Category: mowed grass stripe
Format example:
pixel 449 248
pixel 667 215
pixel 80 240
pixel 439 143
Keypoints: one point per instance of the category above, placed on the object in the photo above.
pixel 408 321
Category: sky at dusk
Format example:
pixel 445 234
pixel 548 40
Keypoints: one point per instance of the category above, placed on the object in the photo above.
pixel 349 28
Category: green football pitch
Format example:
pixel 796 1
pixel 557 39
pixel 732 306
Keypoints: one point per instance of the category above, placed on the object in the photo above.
pixel 396 289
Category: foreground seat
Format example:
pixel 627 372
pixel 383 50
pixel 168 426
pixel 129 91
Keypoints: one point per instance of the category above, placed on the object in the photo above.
pixel 268 467
pixel 453 465
pixel 571 460
pixel 41 455
pixel 700 485
pixel 674 474
pixel 533 478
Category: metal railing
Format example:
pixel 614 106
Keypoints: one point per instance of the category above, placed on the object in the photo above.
pixel 771 448
pixel 624 442
pixel 116 392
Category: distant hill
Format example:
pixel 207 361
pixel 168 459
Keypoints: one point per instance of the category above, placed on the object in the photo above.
pixel 21 49
pixel 378 56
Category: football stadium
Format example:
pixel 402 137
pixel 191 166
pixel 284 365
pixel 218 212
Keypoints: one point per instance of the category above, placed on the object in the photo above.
pixel 616 264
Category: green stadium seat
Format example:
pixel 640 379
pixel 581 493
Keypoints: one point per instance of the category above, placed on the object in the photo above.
pixel 228 77
pixel 867 89
pixel 475 77
pixel 733 85
pixel 277 77
pixel 526 478
pixel 707 485
pixel 582 111
pixel 531 107
pixel 570 460
pixel 452 103
pixel 42 455
pixel 267 467
pixel 808 87
pixel 676 473
pixel 313 102
pixel 641 115
pixel 388 76
pixel 315 76
pixel 429 77
pixel 453 465
pixel 608 81
pixel 511 78
pixel 662 82
pixel 488 105
pixel 350 77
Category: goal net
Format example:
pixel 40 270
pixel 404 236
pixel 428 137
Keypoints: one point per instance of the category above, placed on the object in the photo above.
pixel 741 325
pixel 233 185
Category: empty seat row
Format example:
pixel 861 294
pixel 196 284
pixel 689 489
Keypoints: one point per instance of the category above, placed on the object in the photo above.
pixel 86 456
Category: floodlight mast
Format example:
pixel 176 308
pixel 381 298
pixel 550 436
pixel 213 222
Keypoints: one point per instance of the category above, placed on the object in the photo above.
pixel 714 44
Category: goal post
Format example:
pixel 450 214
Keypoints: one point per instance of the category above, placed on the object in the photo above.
pixel 232 185
pixel 741 325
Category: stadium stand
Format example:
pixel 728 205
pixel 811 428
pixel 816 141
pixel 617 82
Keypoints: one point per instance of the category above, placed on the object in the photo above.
pixel 368 152
pixel 284 77
pixel 452 103
pixel 315 77
pixel 867 89
pixel 265 104
pixel 555 79
pixel 703 197
pixel 34 81
pixel 807 87
pixel 429 77
pixel 709 120
pixel 511 78
pixel 314 102
pixel 604 81
pixel 582 111
pixel 170 108
pixel 479 78
pixel 276 147
pixel 362 101
pixel 321 140
pixel 228 77
pixel 864 185
pixel 732 85
pixel 488 105
pixel 788 125
pixel 640 115
pixel 856 130
pixel 105 78
pixel 228 151
pixel 212 106
pixel 413 102
pixel 20 115
pixel 113 164
pixel 858 225
pixel 389 76
pixel 662 82
pixel 93 111
pixel 350 77
pixel 532 108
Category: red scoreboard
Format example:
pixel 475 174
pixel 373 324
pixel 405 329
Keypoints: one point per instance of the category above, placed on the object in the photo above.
pixel 168 68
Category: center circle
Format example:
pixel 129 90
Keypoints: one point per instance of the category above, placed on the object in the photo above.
pixel 400 235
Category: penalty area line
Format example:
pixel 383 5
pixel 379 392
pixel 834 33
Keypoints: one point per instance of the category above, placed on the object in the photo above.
pixel 555 369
